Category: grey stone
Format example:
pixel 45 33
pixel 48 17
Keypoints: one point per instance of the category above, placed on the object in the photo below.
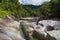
pixel 50 30
pixel 9 29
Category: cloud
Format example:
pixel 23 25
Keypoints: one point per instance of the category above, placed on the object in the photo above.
pixel 32 2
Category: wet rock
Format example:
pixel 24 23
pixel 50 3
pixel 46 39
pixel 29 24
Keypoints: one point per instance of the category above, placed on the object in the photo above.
pixel 29 30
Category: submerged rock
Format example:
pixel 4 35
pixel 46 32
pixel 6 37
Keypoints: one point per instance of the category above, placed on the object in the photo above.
pixel 9 29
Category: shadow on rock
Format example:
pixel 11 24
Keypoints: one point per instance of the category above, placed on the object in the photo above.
pixel 40 36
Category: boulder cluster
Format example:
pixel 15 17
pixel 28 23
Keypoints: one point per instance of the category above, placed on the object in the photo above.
pixel 46 30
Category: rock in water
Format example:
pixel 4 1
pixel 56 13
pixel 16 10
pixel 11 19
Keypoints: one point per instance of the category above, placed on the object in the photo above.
pixel 9 29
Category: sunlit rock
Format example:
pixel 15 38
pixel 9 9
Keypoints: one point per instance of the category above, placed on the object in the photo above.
pixel 51 23
pixel 49 31
pixel 9 29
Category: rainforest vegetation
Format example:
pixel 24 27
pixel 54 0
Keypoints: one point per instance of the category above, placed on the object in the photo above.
pixel 46 10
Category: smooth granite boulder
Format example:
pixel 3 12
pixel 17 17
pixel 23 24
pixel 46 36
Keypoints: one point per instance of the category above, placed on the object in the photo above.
pixel 9 29
pixel 49 31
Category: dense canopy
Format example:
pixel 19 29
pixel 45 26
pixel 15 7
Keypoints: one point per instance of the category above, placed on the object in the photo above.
pixel 13 7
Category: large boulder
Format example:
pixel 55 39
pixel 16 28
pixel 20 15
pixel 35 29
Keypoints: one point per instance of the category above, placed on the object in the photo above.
pixel 55 34
pixel 9 29
pixel 41 34
pixel 50 23
pixel 49 31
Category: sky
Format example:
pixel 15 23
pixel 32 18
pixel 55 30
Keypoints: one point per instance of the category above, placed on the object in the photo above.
pixel 32 2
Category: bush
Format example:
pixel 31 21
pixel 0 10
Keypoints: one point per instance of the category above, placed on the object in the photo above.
pixel 3 13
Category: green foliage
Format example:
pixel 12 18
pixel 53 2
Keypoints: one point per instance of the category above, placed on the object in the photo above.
pixel 3 13
pixel 55 8
pixel 48 9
